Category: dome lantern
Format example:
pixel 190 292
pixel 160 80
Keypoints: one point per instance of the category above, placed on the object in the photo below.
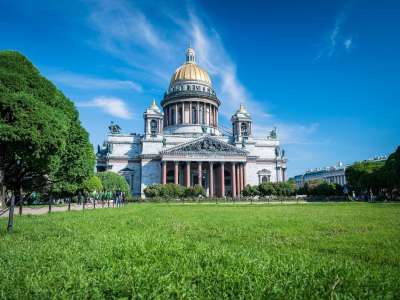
pixel 190 56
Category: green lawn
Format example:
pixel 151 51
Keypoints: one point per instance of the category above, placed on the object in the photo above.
pixel 205 251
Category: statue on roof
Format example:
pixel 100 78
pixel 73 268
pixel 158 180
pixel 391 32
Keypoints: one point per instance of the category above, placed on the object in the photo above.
pixel 273 133
pixel 114 128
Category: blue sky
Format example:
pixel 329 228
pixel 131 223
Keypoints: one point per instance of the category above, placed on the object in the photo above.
pixel 326 73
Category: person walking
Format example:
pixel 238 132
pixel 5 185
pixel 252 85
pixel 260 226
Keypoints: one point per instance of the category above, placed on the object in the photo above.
pixel 118 198
pixel 79 197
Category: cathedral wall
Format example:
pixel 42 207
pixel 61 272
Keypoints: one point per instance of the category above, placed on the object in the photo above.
pixel 252 167
pixel 137 174
pixel 263 151
pixel 152 146
pixel 151 173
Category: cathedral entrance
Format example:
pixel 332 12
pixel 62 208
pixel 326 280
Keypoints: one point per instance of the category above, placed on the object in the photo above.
pixel 222 166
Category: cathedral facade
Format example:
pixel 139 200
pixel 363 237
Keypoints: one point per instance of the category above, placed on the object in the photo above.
pixel 183 143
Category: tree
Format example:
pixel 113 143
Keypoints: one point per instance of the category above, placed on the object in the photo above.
pixel 112 181
pixel 391 171
pixel 266 189
pixel 92 184
pixel 365 175
pixel 77 161
pixel 42 144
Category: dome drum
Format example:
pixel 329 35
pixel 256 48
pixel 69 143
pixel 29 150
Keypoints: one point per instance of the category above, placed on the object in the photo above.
pixel 191 112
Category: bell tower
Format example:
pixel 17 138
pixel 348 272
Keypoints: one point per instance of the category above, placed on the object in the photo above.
pixel 241 125
pixel 153 121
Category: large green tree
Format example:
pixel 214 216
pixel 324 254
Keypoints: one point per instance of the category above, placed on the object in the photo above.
pixel 42 143
pixel 365 175
pixel 391 170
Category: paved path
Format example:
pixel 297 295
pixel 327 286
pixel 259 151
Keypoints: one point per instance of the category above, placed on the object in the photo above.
pixel 45 209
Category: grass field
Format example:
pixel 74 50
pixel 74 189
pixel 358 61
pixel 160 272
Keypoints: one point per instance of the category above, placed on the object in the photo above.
pixel 205 251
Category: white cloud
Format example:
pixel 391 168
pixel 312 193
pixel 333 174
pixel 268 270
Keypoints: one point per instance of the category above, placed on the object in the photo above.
pixel 125 32
pixel 88 82
pixel 348 43
pixel 150 57
pixel 214 58
pixel 113 106
pixel 336 37
pixel 334 34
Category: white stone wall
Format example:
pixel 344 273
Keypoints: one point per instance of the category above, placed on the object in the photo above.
pixel 253 167
pixel 137 172
pixel 151 173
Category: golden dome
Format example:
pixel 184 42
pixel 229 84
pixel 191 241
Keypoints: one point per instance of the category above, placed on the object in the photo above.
pixel 190 70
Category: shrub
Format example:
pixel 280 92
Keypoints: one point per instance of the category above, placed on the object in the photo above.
pixel 321 188
pixel 250 191
pixel 164 190
pixel 266 189
pixel 195 191
pixel 152 191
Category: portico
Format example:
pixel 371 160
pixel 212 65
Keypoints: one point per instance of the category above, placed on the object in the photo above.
pixel 215 165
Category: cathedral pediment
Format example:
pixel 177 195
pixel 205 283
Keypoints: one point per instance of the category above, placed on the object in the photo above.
pixel 205 145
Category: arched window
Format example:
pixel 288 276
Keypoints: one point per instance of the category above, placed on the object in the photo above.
pixel 265 179
pixel 244 129
pixel 153 127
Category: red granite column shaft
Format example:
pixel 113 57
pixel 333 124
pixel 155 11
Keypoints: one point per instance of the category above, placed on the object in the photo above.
pixel 211 177
pixel 222 175
pixel 244 175
pixel 239 182
pixel 176 172
pixel 239 178
pixel 233 180
pixel 164 172
pixel 199 170
pixel 187 174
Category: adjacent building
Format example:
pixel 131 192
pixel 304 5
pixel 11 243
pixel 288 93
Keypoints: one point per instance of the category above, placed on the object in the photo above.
pixel 331 174
pixel 183 143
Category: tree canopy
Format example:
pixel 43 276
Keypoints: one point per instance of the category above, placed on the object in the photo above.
pixel 41 139
pixel 365 175
pixel 92 184
pixel 112 181
pixel 375 175
pixel 391 170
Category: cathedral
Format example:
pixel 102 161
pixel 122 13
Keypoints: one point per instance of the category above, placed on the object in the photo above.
pixel 184 144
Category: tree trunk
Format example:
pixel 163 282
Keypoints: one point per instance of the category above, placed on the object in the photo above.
pixel 11 215
pixel 50 200
pixel 20 200
pixel 3 197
